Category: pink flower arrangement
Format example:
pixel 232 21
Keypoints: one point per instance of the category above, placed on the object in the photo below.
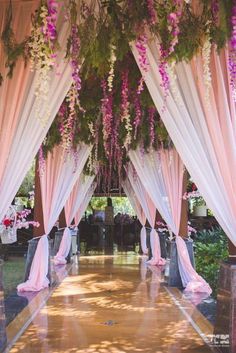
pixel 21 220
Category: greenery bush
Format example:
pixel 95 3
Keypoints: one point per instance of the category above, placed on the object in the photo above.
pixel 210 249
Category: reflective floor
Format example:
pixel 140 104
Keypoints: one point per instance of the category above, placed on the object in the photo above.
pixel 114 305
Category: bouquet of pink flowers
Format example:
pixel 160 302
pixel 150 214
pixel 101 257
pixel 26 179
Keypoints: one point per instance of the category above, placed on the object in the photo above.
pixel 17 219
pixel 11 222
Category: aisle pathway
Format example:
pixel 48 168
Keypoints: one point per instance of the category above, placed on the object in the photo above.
pixel 114 305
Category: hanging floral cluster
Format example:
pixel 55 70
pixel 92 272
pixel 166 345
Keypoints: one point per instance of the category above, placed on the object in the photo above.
pixel 151 12
pixel 68 117
pixel 17 220
pixel 111 72
pixel 206 55
pixel 42 162
pixel 42 48
pixel 107 119
pixel 125 106
pixel 141 45
pixel 151 113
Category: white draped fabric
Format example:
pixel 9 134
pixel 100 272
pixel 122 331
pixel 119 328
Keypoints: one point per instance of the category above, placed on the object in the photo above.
pixel 77 196
pixel 148 168
pixel 161 172
pixel 60 175
pixel 149 209
pixel 72 205
pixel 39 269
pixel 204 133
pixel 84 204
pixel 64 248
pixel 22 132
pixel 129 191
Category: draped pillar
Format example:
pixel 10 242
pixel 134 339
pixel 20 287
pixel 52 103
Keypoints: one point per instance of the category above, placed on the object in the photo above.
pixel 73 203
pixel 149 209
pixel 57 180
pixel 128 189
pixel 84 204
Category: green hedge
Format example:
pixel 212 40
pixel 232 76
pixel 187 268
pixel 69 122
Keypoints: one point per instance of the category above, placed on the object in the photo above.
pixel 210 249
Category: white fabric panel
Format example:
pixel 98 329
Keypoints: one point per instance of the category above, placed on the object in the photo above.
pixel 212 166
pixel 150 175
pixel 139 212
pixel 84 204
pixel 77 196
pixel 58 180
pixel 129 191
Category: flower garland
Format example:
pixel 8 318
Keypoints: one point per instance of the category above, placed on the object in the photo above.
pixel 138 114
pixel 68 129
pixel 112 65
pixel 42 162
pixel 141 46
pixel 165 81
pixel 215 11
pixel 91 159
pixel 50 29
pixel 137 107
pixel 107 118
pixel 151 12
pixel 206 56
pixel 42 51
pixel 74 54
pixel 173 19
pixel 125 105
pixel 151 113
pixel 173 84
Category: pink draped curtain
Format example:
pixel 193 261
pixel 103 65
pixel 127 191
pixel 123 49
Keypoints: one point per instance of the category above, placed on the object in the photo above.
pixel 21 132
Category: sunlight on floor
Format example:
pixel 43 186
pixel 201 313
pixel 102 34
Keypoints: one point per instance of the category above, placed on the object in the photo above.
pixel 111 305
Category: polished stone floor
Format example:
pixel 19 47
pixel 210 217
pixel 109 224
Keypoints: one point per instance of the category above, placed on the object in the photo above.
pixel 115 304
